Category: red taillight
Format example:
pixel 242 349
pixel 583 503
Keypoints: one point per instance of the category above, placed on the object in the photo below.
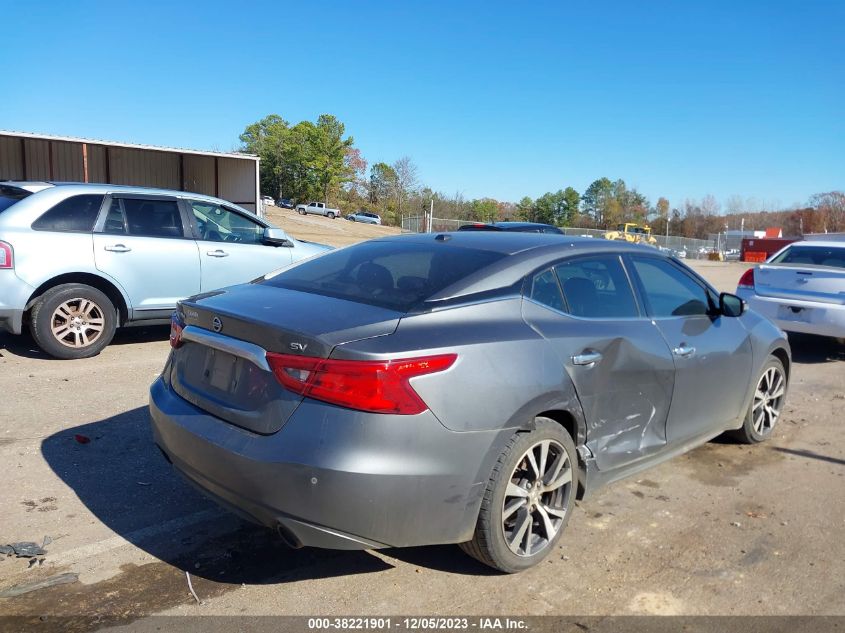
pixel 375 386
pixel 6 258
pixel 747 279
pixel 176 327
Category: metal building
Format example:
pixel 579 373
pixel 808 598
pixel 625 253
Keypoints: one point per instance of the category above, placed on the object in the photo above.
pixel 233 177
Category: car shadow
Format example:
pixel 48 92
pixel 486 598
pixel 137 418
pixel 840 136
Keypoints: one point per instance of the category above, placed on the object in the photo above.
pixel 118 472
pixel 23 345
pixel 810 455
pixel 810 349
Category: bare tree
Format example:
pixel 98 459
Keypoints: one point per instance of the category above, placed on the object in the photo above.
pixel 832 207
pixel 734 205
pixel 406 180
pixel 709 205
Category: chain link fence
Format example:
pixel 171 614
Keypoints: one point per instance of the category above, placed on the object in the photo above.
pixel 685 247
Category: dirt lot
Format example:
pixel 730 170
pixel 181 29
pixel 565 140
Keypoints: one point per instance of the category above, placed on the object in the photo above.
pixel 726 529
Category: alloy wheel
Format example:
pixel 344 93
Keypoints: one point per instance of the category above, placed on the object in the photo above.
pixel 537 498
pixel 77 323
pixel 768 397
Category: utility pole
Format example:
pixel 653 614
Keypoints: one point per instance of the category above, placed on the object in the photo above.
pixel 431 215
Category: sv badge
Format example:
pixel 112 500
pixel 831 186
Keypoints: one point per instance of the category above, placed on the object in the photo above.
pixel 299 347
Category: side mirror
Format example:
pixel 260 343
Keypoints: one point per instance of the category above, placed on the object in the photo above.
pixel 276 237
pixel 731 305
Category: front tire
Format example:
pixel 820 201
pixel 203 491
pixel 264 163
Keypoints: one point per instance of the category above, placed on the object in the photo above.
pixel 528 500
pixel 73 321
pixel 766 404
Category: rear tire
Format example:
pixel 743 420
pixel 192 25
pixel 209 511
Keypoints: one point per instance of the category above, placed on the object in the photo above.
pixel 73 321
pixel 766 404
pixel 528 500
pixel 330 216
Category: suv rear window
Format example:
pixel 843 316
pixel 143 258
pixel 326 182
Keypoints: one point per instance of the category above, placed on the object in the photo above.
pixel 393 275
pixel 10 195
pixel 77 213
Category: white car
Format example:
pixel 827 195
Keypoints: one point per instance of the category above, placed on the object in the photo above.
pixel 318 208
pixel 78 261
pixel 801 288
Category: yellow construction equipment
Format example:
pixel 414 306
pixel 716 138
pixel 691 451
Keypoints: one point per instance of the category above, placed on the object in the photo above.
pixel 632 232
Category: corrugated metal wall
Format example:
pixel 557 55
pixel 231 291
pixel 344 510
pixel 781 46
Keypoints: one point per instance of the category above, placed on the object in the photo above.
pixel 145 168
pixel 11 163
pixel 233 179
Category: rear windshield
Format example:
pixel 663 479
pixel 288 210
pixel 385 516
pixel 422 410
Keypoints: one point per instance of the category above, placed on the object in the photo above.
pixel 813 256
pixel 10 195
pixel 393 275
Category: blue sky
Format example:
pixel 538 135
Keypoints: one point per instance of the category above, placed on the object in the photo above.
pixel 500 99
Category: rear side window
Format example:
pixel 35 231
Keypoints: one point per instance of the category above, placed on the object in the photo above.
pixel 393 275
pixel 77 213
pixel 10 195
pixel 152 218
pixel 596 287
pixel 813 256
pixel 545 290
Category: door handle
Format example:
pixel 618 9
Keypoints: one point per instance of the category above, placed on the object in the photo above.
pixel 217 253
pixel 683 350
pixel 117 248
pixel 587 357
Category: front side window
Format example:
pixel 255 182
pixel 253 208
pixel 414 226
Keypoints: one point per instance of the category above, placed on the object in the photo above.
pixel 150 218
pixel 219 224
pixel 77 213
pixel 668 290
pixel 596 287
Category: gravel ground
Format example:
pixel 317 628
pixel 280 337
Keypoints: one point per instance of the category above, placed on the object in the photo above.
pixel 725 529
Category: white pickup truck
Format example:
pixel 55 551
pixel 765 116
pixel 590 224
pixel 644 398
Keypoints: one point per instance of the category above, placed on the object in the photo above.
pixel 319 208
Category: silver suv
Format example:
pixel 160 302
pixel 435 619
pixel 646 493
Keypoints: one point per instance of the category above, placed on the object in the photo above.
pixel 77 261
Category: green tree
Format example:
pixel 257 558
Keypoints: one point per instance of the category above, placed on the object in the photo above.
pixel 596 199
pixel 571 203
pixel 382 187
pixel 525 209
pixel 485 210
pixel 328 151
pixel 266 138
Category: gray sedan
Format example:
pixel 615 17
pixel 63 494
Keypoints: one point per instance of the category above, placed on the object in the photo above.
pixel 457 388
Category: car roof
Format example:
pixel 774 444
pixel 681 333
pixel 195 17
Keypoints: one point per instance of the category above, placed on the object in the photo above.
pixel 525 253
pixel 81 187
pixel 822 243
pixel 505 226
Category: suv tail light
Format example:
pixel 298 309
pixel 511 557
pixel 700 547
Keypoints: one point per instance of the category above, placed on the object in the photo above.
pixel 176 327
pixel 7 260
pixel 747 279
pixel 375 386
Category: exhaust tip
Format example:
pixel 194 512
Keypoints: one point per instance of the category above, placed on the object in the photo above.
pixel 289 538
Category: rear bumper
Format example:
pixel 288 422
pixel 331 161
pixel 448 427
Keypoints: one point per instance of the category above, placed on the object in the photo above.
pixel 11 320
pixel 14 293
pixel 332 477
pixel 808 317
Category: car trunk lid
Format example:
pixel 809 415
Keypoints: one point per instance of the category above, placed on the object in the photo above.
pixel 221 366
pixel 801 283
